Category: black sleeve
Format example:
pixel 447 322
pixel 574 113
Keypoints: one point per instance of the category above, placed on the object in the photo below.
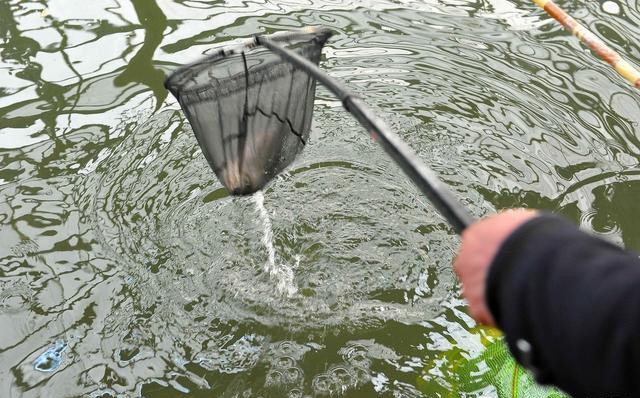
pixel 569 305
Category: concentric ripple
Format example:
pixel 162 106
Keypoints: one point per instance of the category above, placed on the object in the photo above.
pixel 292 256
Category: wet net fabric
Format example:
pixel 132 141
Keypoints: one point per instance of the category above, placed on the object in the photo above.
pixel 494 368
pixel 251 111
pixel 506 375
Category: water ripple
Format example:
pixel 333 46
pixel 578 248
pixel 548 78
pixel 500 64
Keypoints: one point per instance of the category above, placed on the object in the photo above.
pixel 120 248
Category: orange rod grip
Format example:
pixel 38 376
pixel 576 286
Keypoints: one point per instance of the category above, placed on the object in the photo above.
pixel 625 69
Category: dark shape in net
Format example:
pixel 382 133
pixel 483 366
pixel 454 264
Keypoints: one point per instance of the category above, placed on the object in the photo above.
pixel 250 110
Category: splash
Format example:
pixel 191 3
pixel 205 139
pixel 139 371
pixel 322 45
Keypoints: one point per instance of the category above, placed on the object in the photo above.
pixel 282 273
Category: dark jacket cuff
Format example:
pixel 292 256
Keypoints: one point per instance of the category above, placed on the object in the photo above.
pixel 512 266
pixel 507 258
pixel 568 304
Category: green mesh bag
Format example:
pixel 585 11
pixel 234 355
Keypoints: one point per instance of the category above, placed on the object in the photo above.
pixel 455 373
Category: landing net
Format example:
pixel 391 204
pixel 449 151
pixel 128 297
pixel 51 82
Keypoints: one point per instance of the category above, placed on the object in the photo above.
pixel 250 110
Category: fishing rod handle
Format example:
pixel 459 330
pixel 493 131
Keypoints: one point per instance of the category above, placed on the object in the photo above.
pixel 610 56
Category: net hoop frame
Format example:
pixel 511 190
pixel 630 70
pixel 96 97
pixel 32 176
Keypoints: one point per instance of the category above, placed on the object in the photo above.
pixel 316 33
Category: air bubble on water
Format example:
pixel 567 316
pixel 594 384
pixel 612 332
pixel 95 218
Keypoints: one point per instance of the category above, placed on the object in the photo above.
pixel 50 360
pixel 292 375
pixel 282 273
pixel 322 385
pixel 284 362
pixel 343 378
pixel 294 393
pixel 274 378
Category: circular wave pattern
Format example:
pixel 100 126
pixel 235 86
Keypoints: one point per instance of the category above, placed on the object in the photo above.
pixel 183 241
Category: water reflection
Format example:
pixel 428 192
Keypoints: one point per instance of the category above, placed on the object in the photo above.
pixel 140 68
pixel 118 241
pixel 18 49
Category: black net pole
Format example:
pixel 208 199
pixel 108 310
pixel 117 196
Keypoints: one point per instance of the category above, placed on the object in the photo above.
pixel 441 197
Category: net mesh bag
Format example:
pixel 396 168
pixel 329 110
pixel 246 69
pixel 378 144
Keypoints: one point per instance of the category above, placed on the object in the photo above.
pixel 250 110
pixel 455 373
pixel 506 375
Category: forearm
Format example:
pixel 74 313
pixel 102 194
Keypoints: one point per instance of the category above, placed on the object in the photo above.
pixel 575 300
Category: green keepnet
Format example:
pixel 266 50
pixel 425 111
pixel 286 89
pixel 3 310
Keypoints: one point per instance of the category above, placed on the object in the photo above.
pixel 456 373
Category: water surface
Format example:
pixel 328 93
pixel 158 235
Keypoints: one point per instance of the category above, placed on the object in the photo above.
pixel 127 270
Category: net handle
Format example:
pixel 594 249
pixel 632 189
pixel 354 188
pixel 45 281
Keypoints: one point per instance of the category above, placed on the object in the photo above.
pixel 442 198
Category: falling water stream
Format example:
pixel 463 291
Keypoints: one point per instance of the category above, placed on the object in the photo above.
pixel 281 273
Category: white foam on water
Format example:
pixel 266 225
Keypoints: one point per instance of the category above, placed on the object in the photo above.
pixel 281 273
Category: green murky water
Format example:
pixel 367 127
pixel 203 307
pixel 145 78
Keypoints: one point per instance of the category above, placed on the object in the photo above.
pixel 126 270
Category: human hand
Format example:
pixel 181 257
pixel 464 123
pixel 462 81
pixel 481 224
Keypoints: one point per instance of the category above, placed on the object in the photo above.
pixel 480 244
